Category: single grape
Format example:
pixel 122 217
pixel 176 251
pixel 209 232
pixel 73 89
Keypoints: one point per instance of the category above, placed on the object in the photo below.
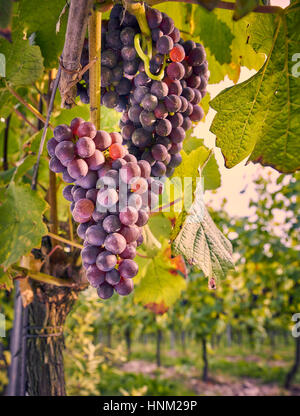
pixel 188 111
pixel 177 135
pixel 95 235
pixel 115 243
pixel 84 208
pixel 113 39
pixel 184 104
pixel 111 223
pixel 118 163
pixel 128 268
pixel 67 193
pixel 172 103
pixel 140 240
pixel 159 89
pixel 124 287
pixel 62 133
pixel 89 254
pixel 145 168
pixel 149 102
pixel 167 25
pixel 141 79
pixel 51 145
pixel 66 177
pixel 106 77
pixel 158 169
pixel 197 113
pixel 163 128
pixel 156 34
pixel 95 276
pixel 154 18
pixel 177 54
pixel 130 233
pixel 176 120
pixel 161 111
pixel 80 193
pixel 123 87
pixel 75 123
pixel 197 98
pixel 92 194
pixel 141 138
pixel 175 71
pixel 129 252
pixel 107 197
pixel 176 159
pixel 165 141
pixel 139 93
pixel 117 151
pixel 129 171
pixel 127 131
pixel 188 46
pixel 175 35
pixel 110 99
pixel 109 58
pixel 147 119
pixel 175 88
pixel 113 277
pixel 56 166
pixel 86 129
pixel 65 152
pixel 88 181
pixel 147 156
pixel 77 168
pixel 139 185
pixel 129 216
pixel 134 113
pixel 130 158
pixel 128 53
pixel 187 123
pixel 164 44
pixel 106 261
pixel 193 81
pixel 96 160
pixel 175 148
pixel 142 218
pixel 81 229
pixel 116 138
pixel 105 291
pixel 159 152
pixel 197 56
pixel 85 147
pixel 127 36
pixel 131 67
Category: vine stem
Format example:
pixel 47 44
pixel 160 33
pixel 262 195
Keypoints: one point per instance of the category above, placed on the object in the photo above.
pixel 26 104
pixel 42 277
pixel 94 28
pixel 22 117
pixel 138 9
pixel 5 142
pixel 42 142
pixel 222 5
pixel 64 240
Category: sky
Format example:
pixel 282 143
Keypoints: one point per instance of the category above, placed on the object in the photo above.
pixel 240 178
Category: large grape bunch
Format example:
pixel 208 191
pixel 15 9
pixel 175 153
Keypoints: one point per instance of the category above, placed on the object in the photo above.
pixel 110 194
pixel 159 98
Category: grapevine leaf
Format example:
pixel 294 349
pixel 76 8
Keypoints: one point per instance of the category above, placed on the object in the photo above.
pixel 40 18
pixel 243 7
pixel 202 243
pixel 158 283
pixel 21 223
pixel 211 174
pixel 210 30
pixel 160 226
pixel 259 118
pixel 24 62
pixel 5 13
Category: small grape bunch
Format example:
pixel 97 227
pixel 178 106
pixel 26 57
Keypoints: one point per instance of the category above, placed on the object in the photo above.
pixel 111 194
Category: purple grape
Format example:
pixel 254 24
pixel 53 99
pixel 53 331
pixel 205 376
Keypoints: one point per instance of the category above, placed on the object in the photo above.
pixel 51 145
pixel 130 233
pixel 89 254
pixel 128 216
pixel 164 44
pixel 105 291
pixel 56 166
pixel 124 287
pixel 65 152
pixel 115 243
pixel 128 268
pixel 77 168
pixel 102 140
pixel 95 235
pixel 62 133
pixel 112 277
pixel 95 276
pixel 111 224
pixel 106 261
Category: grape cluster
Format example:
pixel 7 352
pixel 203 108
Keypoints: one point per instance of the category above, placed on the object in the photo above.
pixel 110 194
pixel 160 111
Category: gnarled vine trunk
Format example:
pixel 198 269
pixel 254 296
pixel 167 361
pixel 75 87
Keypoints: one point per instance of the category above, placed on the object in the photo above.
pixel 45 344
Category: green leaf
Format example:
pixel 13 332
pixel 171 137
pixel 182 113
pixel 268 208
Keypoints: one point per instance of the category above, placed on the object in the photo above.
pixel 210 30
pixel 110 120
pixel 211 174
pixel 5 13
pixel 243 7
pixel 21 223
pixel 40 18
pixel 259 118
pixel 158 284
pixel 202 243
pixel 24 62
pixel 160 226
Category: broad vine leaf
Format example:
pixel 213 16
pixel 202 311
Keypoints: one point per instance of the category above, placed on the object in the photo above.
pixel 202 243
pixel 259 118
pixel 39 19
pixel 158 284
pixel 21 222
pixel 24 62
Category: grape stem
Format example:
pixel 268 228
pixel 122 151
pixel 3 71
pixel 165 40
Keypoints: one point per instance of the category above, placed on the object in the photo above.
pixel 41 277
pixel 138 10
pixel 94 27
pixel 222 5
pixel 22 117
pixel 145 58
pixel 26 104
